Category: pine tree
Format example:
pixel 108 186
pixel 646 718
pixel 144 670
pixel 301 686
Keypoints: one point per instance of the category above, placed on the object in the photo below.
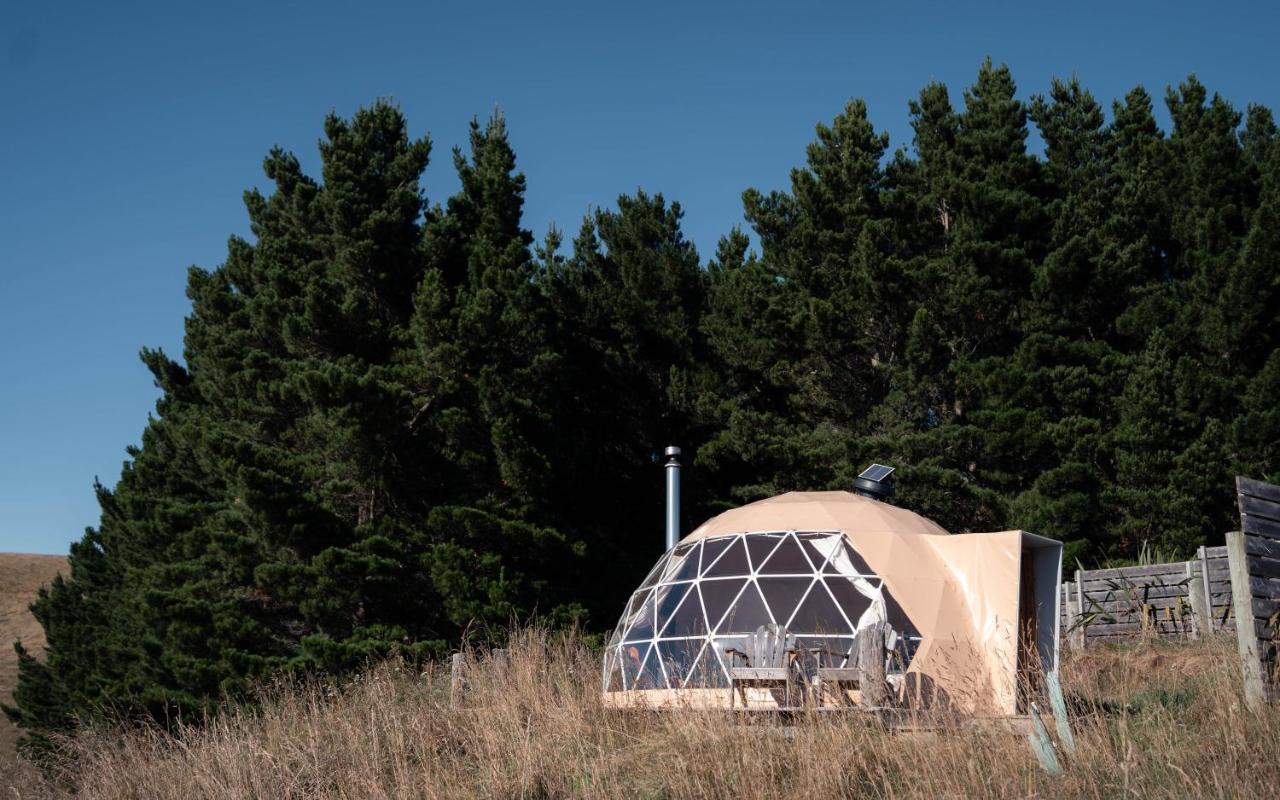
pixel 806 329
pixel 627 305
pixel 484 368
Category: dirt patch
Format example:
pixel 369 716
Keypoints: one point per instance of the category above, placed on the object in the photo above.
pixel 21 576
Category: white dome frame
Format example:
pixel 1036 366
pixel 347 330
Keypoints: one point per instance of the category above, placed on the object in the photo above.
pixel 813 582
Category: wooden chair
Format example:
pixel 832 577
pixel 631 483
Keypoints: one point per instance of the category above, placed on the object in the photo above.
pixel 866 674
pixel 770 658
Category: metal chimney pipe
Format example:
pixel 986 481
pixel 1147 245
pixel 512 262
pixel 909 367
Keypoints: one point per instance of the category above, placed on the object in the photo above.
pixel 673 496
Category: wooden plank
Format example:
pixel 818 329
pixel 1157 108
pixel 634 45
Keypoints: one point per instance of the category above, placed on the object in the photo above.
pixel 1111 573
pixel 1149 582
pixel 758 673
pixel 871 658
pixel 1264 629
pixel 1260 526
pixel 1097 629
pixel 1129 636
pixel 1138 594
pixel 1216 552
pixel 1123 606
pixel 1263 587
pixel 1264 607
pixel 1256 488
pixel 1149 590
pixel 1255 693
pixel 1263 567
pixel 1221 574
pixel 1262 546
pixel 1257 507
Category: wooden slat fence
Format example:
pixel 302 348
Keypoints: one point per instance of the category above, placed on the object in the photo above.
pixel 1187 599
pixel 1108 605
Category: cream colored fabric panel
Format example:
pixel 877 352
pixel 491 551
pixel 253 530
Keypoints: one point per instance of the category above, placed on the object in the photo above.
pixel 986 571
pixel 817 511
pixel 950 668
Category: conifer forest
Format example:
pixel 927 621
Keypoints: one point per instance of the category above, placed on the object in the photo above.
pixel 401 420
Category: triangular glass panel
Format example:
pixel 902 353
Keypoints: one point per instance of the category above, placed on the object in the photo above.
pixel 678 560
pixel 707 673
pixel 656 572
pixel 747 614
pixel 688 569
pixel 687 619
pixel 818 614
pixel 637 600
pixel 632 658
pixel 848 598
pixel 760 545
pixel 650 675
pixel 783 595
pixel 787 559
pixel 717 597
pixel 678 656
pixel 732 562
pixel 711 550
pixel 642 628
pixel 669 600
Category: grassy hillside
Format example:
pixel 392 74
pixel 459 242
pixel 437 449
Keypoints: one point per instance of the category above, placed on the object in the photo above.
pixel 1152 720
pixel 21 575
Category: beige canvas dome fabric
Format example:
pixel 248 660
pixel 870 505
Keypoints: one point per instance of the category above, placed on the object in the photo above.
pixel 817 511
pixel 962 592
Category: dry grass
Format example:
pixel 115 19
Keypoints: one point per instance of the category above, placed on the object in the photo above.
pixel 21 575
pixel 1160 721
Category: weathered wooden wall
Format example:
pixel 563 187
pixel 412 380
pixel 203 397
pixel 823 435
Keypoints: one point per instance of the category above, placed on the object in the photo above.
pixel 1255 583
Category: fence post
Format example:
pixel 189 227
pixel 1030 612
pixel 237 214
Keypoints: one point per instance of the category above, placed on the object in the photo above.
pixel 1255 691
pixel 1068 612
pixel 1200 614
pixel 1081 638
pixel 1208 593
pixel 457 679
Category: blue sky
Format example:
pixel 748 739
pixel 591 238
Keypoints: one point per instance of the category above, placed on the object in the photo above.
pixel 128 133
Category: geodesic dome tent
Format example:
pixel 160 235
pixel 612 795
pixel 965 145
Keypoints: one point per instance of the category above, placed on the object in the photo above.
pixel 825 565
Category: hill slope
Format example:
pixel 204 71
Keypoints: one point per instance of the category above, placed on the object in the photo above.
pixel 21 575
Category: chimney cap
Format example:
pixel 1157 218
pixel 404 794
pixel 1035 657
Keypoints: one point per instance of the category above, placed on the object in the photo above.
pixel 672 450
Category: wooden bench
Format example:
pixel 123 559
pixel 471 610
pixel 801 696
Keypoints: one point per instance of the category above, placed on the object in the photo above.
pixel 866 674
pixel 770 659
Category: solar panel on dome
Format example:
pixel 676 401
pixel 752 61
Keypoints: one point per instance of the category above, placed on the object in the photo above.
pixel 876 472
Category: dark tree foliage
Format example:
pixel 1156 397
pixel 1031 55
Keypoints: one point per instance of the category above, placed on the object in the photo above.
pixel 398 424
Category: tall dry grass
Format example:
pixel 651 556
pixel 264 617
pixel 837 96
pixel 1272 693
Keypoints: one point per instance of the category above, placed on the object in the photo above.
pixel 1151 720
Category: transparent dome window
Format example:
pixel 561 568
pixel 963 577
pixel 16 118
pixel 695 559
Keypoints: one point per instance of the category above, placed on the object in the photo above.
pixel 706 596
